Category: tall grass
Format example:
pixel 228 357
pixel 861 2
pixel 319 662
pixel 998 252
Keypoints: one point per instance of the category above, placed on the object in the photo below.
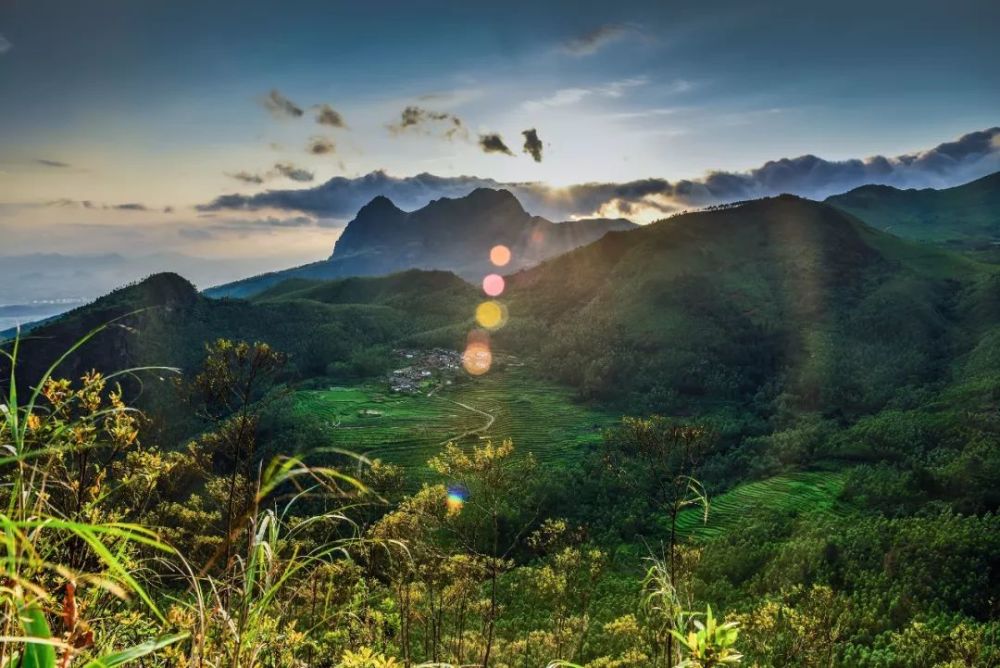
pixel 47 552
pixel 66 553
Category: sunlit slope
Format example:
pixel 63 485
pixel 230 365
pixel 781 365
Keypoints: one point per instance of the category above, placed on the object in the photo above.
pixel 783 302
pixel 804 492
pixel 966 216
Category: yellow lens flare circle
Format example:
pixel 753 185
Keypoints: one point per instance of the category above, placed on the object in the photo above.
pixel 500 255
pixel 491 315
pixel 477 359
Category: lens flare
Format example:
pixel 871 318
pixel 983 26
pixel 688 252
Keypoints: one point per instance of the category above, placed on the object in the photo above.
pixel 493 285
pixel 478 336
pixel 490 315
pixel 500 255
pixel 477 358
pixel 456 499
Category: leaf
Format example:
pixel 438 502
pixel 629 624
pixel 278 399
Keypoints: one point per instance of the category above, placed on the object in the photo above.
pixel 36 654
pixel 137 652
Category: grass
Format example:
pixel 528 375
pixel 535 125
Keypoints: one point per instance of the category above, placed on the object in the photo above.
pixel 799 492
pixel 410 429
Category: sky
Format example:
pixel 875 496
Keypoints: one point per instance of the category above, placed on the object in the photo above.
pixel 255 129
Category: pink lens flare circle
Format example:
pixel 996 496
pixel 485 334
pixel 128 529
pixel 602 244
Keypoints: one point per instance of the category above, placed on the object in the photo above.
pixel 493 285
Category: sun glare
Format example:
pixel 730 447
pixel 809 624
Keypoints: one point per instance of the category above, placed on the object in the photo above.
pixel 493 285
pixel 500 255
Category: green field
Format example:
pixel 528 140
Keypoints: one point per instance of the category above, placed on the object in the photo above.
pixel 805 491
pixel 409 429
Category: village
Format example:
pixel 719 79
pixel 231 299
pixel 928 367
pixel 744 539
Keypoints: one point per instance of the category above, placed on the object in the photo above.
pixel 424 370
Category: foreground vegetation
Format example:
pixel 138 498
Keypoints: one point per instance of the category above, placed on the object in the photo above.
pixel 217 554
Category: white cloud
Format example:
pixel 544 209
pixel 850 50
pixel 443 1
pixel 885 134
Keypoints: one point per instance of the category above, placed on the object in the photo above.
pixel 569 96
pixel 5 45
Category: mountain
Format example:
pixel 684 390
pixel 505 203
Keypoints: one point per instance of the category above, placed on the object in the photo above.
pixel 448 234
pixel 964 217
pixel 782 302
pixel 781 305
pixel 164 321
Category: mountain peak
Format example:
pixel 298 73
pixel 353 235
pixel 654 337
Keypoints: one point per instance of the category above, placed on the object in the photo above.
pixel 379 205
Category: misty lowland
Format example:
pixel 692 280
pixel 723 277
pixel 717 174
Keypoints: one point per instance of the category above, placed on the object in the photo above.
pixel 512 335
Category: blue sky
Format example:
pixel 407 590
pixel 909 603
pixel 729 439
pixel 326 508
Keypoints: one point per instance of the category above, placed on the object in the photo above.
pixel 160 103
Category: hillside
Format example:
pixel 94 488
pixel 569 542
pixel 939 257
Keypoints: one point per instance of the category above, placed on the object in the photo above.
pixel 782 303
pixel 164 321
pixel 964 217
pixel 448 234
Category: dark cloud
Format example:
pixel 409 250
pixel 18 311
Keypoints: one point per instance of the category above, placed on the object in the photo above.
pixel 532 144
pixel 327 115
pixel 418 119
pixel 341 197
pixel 247 177
pixel 290 171
pixel 593 41
pixel 280 106
pixel 64 202
pixel 51 163
pixel 493 143
pixel 321 146
pixel 971 156
pixel 168 209
pixel 130 206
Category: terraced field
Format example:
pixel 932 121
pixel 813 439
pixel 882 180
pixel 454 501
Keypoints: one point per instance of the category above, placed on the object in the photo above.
pixel 408 430
pixel 812 491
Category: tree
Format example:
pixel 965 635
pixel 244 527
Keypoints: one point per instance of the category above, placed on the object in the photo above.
pixel 228 392
pixel 491 492
pixel 658 457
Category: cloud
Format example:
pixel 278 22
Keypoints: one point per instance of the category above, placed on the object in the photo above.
pixel 218 228
pixel 418 119
pixel 5 45
pixel 269 221
pixel 288 170
pixel 90 204
pixel 321 146
pixel 568 96
pixel 327 115
pixel 280 106
pixel 969 157
pixel 594 40
pixel 51 163
pixel 247 177
pixel 493 143
pixel 532 144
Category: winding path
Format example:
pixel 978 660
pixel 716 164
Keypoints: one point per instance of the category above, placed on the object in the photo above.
pixel 490 419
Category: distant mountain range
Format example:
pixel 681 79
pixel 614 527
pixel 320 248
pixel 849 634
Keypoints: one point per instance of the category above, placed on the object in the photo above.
pixel 448 234
pixel 963 217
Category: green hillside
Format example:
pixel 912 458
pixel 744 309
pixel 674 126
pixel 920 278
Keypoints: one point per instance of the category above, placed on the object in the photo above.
pixel 965 217
pixel 781 301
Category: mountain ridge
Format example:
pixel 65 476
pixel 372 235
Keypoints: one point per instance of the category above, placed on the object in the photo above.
pixel 450 234
pixel 964 217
